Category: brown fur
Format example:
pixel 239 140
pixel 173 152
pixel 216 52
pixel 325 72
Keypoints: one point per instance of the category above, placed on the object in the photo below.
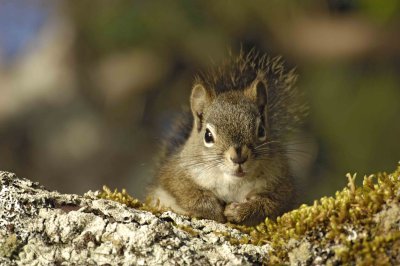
pixel 242 175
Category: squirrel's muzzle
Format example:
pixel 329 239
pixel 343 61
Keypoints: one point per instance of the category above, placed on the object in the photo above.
pixel 238 155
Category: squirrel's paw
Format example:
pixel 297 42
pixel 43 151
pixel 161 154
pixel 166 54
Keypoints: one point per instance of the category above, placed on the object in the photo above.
pixel 246 213
pixel 236 212
pixel 217 213
pixel 211 207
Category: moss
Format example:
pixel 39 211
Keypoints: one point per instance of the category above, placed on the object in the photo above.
pixel 124 198
pixel 352 227
pixel 345 220
pixel 189 230
pixel 9 245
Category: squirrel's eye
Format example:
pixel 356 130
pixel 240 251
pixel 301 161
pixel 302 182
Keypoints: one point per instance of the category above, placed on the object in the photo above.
pixel 208 138
pixel 261 134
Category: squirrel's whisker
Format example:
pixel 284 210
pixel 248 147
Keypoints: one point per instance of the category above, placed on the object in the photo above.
pixel 240 115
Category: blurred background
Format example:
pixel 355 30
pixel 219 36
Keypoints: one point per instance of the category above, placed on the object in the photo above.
pixel 89 89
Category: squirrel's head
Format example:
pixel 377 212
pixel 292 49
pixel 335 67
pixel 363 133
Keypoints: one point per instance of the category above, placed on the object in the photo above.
pixel 231 128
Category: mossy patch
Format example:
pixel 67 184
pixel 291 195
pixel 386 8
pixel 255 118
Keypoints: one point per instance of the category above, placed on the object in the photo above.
pixel 8 245
pixel 120 196
pixel 358 225
pixel 123 197
pixel 344 225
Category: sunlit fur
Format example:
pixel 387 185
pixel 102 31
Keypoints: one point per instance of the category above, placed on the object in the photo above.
pixel 203 180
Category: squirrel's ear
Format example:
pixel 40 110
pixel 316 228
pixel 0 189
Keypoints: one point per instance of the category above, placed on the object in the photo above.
pixel 258 93
pixel 199 101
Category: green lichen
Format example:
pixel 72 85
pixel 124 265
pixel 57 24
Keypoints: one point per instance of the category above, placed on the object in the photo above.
pixel 352 227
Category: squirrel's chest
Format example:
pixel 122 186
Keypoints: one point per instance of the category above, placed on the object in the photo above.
pixel 228 188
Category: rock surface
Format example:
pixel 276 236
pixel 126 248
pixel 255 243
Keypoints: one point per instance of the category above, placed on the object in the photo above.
pixel 41 227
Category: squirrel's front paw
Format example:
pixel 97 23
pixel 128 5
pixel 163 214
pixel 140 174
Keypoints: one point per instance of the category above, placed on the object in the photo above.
pixel 247 213
pixel 216 210
pixel 236 212
pixel 210 207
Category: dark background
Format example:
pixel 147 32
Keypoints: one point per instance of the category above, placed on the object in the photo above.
pixel 89 88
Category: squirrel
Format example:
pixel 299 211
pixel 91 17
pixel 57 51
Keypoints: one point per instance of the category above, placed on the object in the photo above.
pixel 225 159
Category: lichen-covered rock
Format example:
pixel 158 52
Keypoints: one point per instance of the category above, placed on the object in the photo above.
pixel 41 227
pixel 360 225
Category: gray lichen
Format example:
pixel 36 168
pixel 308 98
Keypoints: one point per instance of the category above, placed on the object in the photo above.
pixel 359 226
pixel 41 227
pixel 300 252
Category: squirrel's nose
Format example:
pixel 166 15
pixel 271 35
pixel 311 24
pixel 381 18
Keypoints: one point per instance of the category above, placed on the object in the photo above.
pixel 238 159
pixel 236 156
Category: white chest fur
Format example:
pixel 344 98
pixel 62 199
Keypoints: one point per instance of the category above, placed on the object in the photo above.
pixel 226 187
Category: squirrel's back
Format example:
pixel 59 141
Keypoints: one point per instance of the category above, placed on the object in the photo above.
pixel 177 134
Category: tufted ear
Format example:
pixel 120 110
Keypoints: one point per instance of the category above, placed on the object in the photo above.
pixel 258 93
pixel 200 99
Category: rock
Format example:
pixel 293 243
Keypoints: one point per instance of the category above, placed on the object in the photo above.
pixel 358 226
pixel 41 227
